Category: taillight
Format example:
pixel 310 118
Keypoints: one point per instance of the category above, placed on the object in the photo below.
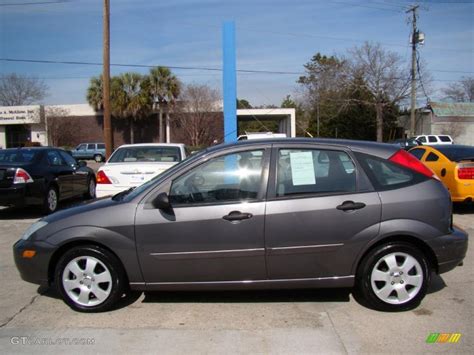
pixel 22 177
pixel 407 160
pixel 102 178
pixel 465 172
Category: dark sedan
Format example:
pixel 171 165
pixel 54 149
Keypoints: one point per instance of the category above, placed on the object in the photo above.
pixel 42 176
pixel 287 213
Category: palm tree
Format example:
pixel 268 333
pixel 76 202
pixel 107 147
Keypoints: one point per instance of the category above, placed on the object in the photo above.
pixel 130 98
pixel 164 88
pixel 94 94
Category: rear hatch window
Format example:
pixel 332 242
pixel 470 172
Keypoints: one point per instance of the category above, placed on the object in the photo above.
pixel 146 154
pixel 457 152
pixel 445 138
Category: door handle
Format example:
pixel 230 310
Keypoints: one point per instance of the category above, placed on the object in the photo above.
pixel 237 216
pixel 350 206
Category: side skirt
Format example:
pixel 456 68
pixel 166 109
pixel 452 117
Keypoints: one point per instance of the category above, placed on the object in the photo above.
pixel 321 282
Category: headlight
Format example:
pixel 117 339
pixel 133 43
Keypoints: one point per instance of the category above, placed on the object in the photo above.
pixel 33 228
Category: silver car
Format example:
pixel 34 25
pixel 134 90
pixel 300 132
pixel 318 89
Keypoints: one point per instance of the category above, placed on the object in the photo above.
pixel 268 214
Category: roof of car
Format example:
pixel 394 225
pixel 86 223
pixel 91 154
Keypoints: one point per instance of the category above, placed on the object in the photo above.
pixel 380 149
pixel 152 145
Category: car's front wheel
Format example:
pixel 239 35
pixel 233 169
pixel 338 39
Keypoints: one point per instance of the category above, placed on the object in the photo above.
pixel 89 278
pixel 393 277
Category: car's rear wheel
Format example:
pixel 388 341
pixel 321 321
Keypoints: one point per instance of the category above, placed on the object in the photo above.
pixel 51 200
pixel 89 278
pixel 393 277
pixel 98 158
pixel 91 187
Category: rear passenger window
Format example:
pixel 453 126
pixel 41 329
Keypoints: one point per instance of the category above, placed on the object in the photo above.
pixel 386 175
pixel 432 157
pixel 432 139
pixel 100 146
pixel 309 171
pixel 91 147
pixel 417 153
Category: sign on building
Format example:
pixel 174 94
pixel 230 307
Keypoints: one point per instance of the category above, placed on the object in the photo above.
pixel 20 115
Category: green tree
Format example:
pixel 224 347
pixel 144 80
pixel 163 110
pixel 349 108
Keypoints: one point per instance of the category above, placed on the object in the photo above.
pixel 243 104
pixel 322 87
pixel 131 99
pixel 95 93
pixel 164 88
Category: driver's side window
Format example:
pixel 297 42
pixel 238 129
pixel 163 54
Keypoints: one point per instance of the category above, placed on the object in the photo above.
pixel 233 177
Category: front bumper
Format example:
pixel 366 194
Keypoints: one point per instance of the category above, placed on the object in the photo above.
pixel 450 249
pixel 34 270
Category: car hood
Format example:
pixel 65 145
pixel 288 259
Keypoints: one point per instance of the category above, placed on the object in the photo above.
pixel 84 207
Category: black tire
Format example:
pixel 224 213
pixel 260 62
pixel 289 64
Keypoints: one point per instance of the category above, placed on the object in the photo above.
pixel 394 301
pixel 48 205
pixel 98 158
pixel 90 193
pixel 117 282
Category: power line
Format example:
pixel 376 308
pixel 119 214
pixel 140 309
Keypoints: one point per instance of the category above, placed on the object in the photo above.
pixel 366 6
pixel 419 75
pixel 34 3
pixel 40 61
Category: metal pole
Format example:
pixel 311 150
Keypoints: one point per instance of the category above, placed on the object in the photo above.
pixel 106 82
pixel 414 41
pixel 229 82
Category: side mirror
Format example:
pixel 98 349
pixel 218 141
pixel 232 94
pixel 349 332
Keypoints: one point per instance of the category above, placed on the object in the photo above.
pixel 81 163
pixel 162 201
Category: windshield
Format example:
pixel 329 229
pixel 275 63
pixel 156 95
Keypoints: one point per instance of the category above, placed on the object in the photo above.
pixel 138 190
pixel 17 156
pixel 457 153
pixel 146 154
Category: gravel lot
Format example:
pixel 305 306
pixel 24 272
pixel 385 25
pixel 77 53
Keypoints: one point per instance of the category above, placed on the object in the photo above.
pixel 305 321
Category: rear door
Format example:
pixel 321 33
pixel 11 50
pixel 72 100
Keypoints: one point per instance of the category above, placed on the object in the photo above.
pixel 320 210
pixel 79 176
pixel 63 174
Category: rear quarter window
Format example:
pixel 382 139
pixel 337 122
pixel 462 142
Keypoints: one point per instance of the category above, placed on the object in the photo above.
pixel 445 139
pixel 386 175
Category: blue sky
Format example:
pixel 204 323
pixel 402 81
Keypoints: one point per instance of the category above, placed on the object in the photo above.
pixel 274 35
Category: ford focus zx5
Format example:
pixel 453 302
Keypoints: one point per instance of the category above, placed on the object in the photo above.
pixel 283 213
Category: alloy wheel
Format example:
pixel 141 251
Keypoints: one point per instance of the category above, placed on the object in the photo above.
pixel 396 278
pixel 87 281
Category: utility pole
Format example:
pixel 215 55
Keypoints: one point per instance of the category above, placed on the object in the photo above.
pixel 106 81
pixel 414 42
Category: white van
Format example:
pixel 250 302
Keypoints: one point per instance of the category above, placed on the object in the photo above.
pixel 434 139
pixel 260 135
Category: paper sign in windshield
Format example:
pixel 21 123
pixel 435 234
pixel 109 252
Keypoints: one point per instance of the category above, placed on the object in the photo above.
pixel 302 168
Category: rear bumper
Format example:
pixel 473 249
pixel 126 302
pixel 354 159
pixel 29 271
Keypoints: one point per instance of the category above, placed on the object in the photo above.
pixel 15 195
pixel 103 190
pixel 21 194
pixel 450 249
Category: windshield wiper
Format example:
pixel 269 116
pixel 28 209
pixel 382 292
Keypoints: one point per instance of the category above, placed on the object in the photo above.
pixel 122 194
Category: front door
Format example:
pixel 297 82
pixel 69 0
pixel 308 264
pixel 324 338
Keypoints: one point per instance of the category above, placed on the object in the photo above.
pixel 318 217
pixel 215 229
pixel 64 174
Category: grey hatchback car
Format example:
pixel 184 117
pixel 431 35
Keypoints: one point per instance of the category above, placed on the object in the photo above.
pixel 268 214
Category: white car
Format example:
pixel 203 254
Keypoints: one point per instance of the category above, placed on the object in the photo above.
pixel 134 164
pixel 434 139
